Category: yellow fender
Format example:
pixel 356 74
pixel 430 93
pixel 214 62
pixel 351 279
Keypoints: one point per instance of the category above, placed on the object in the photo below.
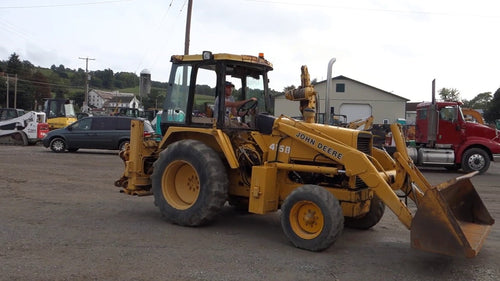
pixel 213 137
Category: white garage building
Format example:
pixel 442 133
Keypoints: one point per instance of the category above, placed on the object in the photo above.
pixel 353 99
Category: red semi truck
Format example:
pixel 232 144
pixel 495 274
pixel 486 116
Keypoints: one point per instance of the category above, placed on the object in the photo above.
pixel 443 137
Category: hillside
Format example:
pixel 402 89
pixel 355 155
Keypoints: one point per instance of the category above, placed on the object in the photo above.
pixel 34 83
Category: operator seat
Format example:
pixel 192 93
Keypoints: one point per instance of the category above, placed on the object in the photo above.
pixel 264 123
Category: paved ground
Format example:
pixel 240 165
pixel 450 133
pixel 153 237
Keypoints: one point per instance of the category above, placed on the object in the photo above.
pixel 61 218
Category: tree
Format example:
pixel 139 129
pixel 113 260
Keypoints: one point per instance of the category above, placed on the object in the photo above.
pixel 61 71
pixel 78 78
pixel 492 112
pixel 479 102
pixel 155 98
pixel 106 77
pixel 14 65
pixel 289 88
pixel 78 97
pixel 41 87
pixel 449 94
pixel 28 69
pixel 126 80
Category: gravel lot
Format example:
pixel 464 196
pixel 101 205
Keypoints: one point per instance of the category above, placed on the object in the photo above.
pixel 61 218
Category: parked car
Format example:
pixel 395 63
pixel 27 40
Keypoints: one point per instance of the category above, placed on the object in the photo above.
pixel 95 132
pixel 10 113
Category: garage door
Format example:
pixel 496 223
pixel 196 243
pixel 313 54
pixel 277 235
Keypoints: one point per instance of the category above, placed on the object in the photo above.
pixel 355 111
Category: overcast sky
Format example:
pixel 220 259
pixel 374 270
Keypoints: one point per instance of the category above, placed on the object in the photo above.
pixel 398 46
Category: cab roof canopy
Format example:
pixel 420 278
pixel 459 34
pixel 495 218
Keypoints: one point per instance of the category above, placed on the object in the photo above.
pixel 258 61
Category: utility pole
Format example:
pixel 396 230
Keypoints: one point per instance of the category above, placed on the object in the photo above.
pixel 15 92
pixel 188 27
pixel 7 96
pixel 85 106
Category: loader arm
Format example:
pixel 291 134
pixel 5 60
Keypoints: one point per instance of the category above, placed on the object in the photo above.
pixel 451 219
pixel 356 163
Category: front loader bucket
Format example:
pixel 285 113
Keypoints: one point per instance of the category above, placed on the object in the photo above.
pixel 451 219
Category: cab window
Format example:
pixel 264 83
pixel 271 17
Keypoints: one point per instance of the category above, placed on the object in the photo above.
pixel 204 96
pixel 448 113
pixel 177 98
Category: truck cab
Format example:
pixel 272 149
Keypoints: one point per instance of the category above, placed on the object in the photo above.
pixel 444 137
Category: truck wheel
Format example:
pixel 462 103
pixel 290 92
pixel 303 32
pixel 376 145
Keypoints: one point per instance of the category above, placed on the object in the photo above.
pixel 370 219
pixel 58 145
pixel 475 159
pixel 190 183
pixel 312 218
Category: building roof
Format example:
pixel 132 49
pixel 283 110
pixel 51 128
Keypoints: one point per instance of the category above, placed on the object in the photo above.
pixel 411 106
pixel 110 95
pixel 121 99
pixel 342 77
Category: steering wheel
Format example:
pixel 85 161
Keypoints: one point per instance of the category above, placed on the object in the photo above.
pixel 246 107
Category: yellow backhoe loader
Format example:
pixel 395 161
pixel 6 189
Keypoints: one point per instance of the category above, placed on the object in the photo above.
pixel 321 177
pixel 356 124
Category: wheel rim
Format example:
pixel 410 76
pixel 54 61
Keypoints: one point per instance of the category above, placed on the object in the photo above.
pixel 306 219
pixel 476 162
pixel 180 185
pixel 58 145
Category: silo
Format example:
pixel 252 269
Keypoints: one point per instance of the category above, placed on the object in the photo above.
pixel 145 83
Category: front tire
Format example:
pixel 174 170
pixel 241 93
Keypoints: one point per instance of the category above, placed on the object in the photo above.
pixel 190 183
pixel 312 218
pixel 58 145
pixel 475 159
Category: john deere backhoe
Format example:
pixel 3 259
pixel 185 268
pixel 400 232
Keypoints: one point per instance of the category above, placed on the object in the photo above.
pixel 321 177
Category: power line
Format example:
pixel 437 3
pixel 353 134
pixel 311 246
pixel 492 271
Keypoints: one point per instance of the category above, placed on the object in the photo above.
pixel 158 30
pixel 64 5
pixel 49 84
pixel 333 6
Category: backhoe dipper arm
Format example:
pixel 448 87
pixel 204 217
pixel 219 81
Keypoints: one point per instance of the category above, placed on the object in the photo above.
pixel 306 95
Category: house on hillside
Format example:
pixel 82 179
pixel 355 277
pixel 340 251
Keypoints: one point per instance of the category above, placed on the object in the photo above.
pixel 353 99
pixel 103 101
pixel 123 102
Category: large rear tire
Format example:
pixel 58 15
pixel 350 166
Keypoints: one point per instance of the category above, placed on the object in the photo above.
pixel 312 218
pixel 190 183
pixel 370 219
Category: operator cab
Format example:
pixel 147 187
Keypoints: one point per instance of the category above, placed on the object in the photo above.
pixel 197 84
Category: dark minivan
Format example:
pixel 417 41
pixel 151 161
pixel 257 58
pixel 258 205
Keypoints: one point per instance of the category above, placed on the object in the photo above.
pixel 95 132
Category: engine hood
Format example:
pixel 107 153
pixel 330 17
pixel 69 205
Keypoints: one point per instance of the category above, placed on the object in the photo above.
pixel 480 130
